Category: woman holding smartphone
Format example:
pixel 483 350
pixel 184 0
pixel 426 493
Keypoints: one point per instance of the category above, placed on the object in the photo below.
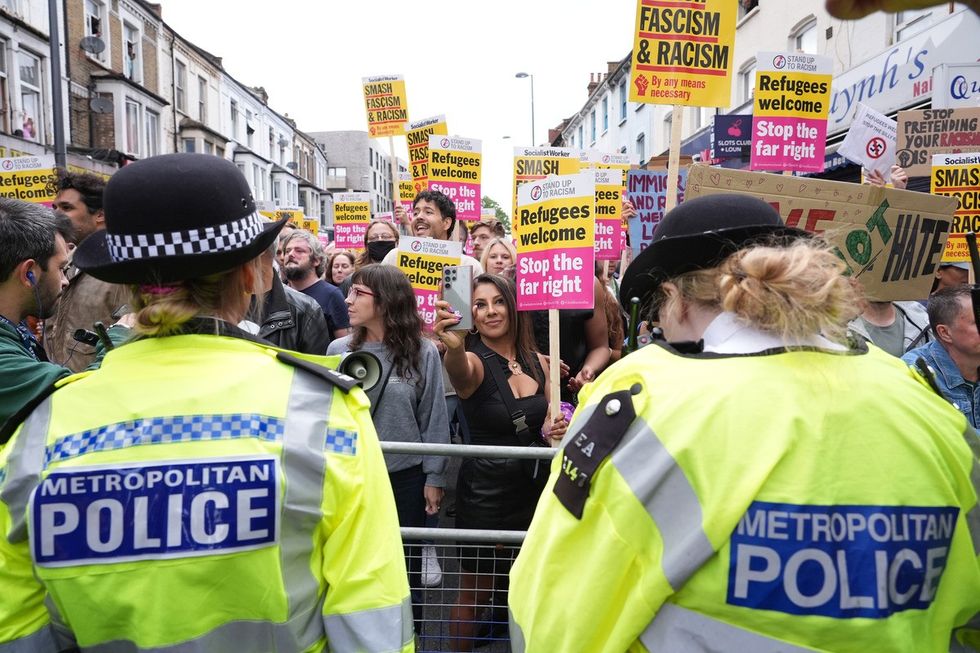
pixel 407 402
pixel 494 493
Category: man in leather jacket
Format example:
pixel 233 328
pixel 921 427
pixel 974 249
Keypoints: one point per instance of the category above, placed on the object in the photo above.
pixel 290 319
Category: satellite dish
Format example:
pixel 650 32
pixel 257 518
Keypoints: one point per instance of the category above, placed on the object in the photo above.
pixel 292 165
pixel 92 44
pixel 101 105
pixel 283 142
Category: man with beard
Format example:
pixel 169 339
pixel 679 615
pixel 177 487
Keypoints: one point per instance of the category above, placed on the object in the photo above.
pixel 33 257
pixel 303 265
pixel 86 300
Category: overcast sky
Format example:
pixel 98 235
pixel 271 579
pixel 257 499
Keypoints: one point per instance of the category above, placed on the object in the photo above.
pixel 458 57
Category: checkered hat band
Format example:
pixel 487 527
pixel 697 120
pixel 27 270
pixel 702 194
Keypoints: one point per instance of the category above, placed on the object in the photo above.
pixel 225 237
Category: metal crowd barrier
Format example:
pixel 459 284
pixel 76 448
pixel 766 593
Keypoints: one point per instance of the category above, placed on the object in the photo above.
pixel 450 615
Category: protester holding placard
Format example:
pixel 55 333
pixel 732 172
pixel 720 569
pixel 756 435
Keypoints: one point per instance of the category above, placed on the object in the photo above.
pixel 496 371
pixel 761 484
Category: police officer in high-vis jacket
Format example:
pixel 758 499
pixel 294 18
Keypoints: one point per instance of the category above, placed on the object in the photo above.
pixel 202 491
pixel 761 485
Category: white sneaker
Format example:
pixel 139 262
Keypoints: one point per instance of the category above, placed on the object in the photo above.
pixel 431 571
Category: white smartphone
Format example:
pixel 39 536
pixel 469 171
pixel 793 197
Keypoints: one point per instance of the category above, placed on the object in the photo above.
pixel 457 289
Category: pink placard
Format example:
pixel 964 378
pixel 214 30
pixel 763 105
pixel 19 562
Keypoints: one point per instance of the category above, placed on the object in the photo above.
pixel 464 195
pixel 349 235
pixel 608 239
pixel 788 143
pixel 555 279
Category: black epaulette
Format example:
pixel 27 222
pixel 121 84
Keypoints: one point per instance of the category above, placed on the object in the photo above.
pixel 15 420
pixel 333 377
pixel 589 445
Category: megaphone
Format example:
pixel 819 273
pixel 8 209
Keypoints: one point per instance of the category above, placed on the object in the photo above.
pixel 363 366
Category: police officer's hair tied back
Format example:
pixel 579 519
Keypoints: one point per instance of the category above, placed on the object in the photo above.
pixel 161 314
pixel 793 291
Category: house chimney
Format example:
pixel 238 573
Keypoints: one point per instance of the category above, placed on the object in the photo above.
pixel 594 81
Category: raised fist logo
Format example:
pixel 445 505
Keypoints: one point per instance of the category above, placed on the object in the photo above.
pixel 641 85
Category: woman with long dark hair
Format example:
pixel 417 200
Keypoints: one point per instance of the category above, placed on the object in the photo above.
pixel 494 493
pixel 407 403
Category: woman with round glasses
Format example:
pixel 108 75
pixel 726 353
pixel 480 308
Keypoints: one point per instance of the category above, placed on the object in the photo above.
pixel 407 403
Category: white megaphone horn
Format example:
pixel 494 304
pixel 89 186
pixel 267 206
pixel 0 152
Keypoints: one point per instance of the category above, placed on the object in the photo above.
pixel 363 366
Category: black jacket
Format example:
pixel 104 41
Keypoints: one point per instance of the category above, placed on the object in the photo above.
pixel 291 320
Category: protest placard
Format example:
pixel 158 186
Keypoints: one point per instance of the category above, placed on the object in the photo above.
pixel 422 260
pixel 556 242
pixel 870 141
pixel 295 216
pixel 406 191
pixel 386 104
pixel 923 134
pixel 958 175
pixel 351 219
pixel 890 240
pixel 28 178
pixel 531 164
pixel 790 108
pixel 418 148
pixel 455 170
pixel 732 136
pixel 385 216
pixel 682 52
pixel 608 214
pixel 647 191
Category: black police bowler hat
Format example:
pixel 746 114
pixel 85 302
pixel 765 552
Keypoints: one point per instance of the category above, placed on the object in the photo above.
pixel 174 217
pixel 699 234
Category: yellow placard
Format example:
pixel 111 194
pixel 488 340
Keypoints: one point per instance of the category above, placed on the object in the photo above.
pixel 798 95
pixel 958 175
pixel 538 232
pixel 406 190
pixel 417 138
pixel 682 52
pixel 387 105
pixel 531 164
pixel 28 178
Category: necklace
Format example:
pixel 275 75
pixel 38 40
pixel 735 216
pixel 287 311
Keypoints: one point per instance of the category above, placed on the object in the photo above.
pixel 515 368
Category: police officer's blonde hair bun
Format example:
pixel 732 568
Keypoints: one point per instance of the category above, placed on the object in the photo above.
pixel 162 310
pixel 794 292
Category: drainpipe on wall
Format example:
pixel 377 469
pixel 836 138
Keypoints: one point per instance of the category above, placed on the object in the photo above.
pixel 57 101
pixel 173 83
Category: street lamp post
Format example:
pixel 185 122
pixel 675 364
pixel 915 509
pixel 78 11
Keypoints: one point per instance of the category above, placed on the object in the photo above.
pixel 531 77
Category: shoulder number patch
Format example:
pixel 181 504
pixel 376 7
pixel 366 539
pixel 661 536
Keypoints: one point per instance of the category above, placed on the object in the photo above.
pixel 588 446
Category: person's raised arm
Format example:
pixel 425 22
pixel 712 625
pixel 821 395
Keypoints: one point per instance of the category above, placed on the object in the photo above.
pixel 464 368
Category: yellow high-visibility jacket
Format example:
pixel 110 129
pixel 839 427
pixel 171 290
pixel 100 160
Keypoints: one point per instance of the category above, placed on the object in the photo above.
pixel 784 501
pixel 199 494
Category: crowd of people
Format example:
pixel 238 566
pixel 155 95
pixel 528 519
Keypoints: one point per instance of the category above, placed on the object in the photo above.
pixel 172 327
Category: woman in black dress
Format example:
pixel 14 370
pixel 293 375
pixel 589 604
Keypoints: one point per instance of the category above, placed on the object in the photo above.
pixel 494 493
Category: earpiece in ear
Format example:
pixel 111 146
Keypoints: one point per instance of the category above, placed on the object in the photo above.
pixel 30 277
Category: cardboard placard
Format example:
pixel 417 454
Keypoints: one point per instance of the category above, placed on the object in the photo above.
pixel 891 240
pixel 921 134
pixel 682 52
pixel 608 214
